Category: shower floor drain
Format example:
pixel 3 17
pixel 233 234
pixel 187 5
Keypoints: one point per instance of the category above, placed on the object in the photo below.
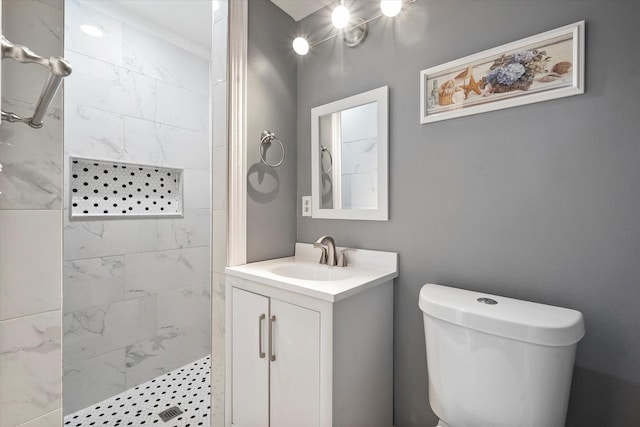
pixel 169 414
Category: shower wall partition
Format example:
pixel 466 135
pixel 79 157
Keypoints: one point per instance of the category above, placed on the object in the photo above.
pixel 30 226
pixel 137 291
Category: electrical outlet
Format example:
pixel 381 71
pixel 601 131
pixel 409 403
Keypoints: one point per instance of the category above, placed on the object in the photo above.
pixel 306 205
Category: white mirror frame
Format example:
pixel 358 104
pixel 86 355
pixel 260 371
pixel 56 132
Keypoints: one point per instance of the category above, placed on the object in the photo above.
pixel 381 96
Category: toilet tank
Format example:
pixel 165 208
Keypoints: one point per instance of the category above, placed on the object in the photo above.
pixel 496 361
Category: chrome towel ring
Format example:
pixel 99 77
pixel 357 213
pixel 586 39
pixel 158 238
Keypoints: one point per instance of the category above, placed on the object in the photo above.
pixel 266 138
pixel 323 150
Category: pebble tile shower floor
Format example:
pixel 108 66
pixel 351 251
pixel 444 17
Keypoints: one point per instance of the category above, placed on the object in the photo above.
pixel 188 388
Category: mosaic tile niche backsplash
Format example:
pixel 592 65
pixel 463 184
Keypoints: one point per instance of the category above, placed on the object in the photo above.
pixel 107 189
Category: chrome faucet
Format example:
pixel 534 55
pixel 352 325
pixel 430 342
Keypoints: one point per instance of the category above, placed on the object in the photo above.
pixel 328 246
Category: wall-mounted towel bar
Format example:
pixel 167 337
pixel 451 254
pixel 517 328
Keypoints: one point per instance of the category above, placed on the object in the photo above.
pixel 59 68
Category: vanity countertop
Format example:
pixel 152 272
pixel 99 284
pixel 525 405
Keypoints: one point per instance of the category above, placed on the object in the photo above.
pixel 304 275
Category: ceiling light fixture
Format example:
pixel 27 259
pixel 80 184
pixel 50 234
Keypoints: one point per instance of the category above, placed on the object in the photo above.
pixel 301 46
pixel 390 8
pixel 355 34
pixel 340 17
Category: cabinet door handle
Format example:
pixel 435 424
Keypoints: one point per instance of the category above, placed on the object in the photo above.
pixel 273 355
pixel 261 353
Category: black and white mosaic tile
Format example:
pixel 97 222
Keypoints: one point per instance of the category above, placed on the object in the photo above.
pixel 188 388
pixel 107 189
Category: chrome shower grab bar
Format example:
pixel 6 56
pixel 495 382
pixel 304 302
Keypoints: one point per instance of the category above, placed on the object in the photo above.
pixel 59 68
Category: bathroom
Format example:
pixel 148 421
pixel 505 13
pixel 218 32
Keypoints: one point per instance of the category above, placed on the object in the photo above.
pixel 543 209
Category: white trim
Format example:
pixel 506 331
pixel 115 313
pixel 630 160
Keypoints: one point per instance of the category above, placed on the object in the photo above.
pixel 576 31
pixel 237 60
pixel 238 31
pixel 381 96
pixel 336 160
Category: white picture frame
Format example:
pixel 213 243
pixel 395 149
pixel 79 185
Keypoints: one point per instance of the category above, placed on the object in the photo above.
pixel 539 68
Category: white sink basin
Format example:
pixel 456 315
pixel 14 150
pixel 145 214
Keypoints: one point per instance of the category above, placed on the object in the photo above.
pixel 303 274
pixel 311 272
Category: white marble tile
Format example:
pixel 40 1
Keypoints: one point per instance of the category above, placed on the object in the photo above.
pixel 181 108
pixel 220 50
pixel 107 48
pixel 152 143
pixel 155 272
pixel 93 239
pixel 143 96
pixel 104 86
pixel 219 174
pixel 359 156
pixel 219 243
pixel 39 27
pixel 359 190
pixel 191 231
pixel 217 380
pixel 52 419
pixel 92 133
pixel 30 360
pixel 165 352
pixel 222 11
pixel 31 176
pixel 93 380
pixel 143 142
pixel 356 122
pixel 220 114
pixel 185 148
pixel 93 282
pixel 30 265
pixel 92 332
pixel 157 58
pixel 95 84
pixel 184 310
pixel 197 191
pixel 218 305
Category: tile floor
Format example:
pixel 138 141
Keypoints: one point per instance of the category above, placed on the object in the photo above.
pixel 188 388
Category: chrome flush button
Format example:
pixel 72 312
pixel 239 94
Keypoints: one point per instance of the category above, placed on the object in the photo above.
pixel 488 301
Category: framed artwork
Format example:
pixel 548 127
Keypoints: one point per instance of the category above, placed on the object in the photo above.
pixel 538 68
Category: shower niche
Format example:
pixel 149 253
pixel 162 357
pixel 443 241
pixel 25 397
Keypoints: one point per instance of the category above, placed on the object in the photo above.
pixel 101 189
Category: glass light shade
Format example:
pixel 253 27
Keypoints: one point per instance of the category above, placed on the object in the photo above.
pixel 91 30
pixel 340 17
pixel 301 46
pixel 391 7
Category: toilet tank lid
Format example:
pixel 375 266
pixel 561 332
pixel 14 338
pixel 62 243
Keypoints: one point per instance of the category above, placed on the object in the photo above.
pixel 510 318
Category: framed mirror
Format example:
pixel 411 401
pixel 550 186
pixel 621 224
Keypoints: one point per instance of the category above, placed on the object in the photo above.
pixel 349 157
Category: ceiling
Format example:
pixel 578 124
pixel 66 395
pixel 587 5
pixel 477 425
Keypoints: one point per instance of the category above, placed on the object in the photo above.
pixel 298 9
pixel 190 19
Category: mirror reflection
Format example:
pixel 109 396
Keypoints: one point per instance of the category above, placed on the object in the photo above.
pixel 349 157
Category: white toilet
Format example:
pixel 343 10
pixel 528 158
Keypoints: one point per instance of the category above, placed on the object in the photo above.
pixel 496 361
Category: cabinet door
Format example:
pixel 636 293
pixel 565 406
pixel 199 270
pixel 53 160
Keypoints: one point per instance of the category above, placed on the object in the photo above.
pixel 295 372
pixel 250 368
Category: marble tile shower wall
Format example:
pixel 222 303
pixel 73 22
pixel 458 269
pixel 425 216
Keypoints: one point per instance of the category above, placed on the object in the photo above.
pixel 30 227
pixel 219 206
pixel 137 292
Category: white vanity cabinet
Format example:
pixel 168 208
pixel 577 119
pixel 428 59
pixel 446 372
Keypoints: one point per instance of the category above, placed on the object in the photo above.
pixel 309 353
pixel 276 368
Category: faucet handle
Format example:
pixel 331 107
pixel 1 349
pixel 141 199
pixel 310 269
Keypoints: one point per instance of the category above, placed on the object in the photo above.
pixel 342 258
pixel 323 255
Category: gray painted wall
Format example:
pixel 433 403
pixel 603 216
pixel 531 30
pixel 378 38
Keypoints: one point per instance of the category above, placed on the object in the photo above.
pixel 271 105
pixel 538 202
